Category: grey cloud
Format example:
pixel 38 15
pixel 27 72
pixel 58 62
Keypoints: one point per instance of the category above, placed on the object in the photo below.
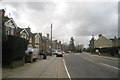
pixel 80 20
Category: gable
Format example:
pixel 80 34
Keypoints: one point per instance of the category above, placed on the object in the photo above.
pixel 10 23
pixel 37 35
pixel 24 31
pixel 102 42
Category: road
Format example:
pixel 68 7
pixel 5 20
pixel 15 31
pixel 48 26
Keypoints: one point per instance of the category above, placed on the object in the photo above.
pixel 78 65
pixel 87 66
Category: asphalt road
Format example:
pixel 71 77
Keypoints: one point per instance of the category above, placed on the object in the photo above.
pixel 83 65
pixel 78 65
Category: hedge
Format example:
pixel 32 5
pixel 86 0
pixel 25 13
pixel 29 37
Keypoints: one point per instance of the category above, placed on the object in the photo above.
pixel 13 49
pixel 111 50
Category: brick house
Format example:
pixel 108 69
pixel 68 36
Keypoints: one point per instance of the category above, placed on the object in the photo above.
pixel 55 45
pixel 46 43
pixel 36 40
pixel 25 33
pixel 9 26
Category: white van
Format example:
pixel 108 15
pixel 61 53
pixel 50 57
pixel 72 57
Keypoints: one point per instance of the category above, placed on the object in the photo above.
pixel 33 56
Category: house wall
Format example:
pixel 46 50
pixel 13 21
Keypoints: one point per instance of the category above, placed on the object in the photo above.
pixel 102 42
pixel 116 43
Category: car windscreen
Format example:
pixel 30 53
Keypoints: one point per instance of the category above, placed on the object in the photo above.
pixel 59 50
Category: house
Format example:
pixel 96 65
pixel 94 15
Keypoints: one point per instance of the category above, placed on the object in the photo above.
pixel 115 42
pixel 46 43
pixel 55 45
pixel 41 42
pixel 9 26
pixel 36 40
pixel 102 42
pixel 59 45
pixel 25 33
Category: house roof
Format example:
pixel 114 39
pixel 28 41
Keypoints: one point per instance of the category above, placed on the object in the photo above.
pixel 33 34
pixel 29 32
pixel 21 29
pixel 102 37
pixel 101 42
pixel 5 19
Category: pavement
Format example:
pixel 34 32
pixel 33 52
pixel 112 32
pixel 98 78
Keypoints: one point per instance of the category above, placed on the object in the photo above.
pixel 52 67
pixel 105 57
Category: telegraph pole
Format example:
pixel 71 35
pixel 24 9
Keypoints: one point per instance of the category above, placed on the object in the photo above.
pixel 51 40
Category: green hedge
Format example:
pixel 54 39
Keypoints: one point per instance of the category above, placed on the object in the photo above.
pixel 13 49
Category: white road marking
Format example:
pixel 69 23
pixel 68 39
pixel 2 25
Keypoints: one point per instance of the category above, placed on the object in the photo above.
pixel 102 64
pixel 110 66
pixel 66 70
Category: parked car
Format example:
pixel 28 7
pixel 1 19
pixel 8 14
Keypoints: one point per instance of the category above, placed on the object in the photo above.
pixel 55 52
pixel 31 54
pixel 35 55
pixel 59 53
pixel 63 52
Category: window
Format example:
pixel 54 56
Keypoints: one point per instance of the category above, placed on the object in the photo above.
pixel 23 35
pixel 37 40
pixel 30 40
pixel 7 30
pixel 12 31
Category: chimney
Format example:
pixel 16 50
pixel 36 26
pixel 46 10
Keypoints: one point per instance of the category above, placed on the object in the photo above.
pixel 47 36
pixel 100 35
pixel 28 29
pixel 3 12
pixel 60 42
pixel 41 35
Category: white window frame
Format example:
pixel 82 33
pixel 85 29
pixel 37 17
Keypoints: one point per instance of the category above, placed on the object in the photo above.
pixel 7 30
pixel 23 35
pixel 12 31
pixel 30 40
pixel 37 39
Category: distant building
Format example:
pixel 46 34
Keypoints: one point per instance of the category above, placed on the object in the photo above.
pixel 46 43
pixel 55 45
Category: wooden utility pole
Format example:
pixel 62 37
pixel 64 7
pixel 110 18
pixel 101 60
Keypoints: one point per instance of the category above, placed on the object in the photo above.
pixel 51 39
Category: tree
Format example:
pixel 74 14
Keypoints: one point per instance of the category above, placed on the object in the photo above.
pixel 71 45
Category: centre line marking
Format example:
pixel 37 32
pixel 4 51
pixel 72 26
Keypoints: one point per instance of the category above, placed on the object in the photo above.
pixel 110 66
pixel 66 70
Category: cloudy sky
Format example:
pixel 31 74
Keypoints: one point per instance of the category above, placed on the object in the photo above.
pixel 75 19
